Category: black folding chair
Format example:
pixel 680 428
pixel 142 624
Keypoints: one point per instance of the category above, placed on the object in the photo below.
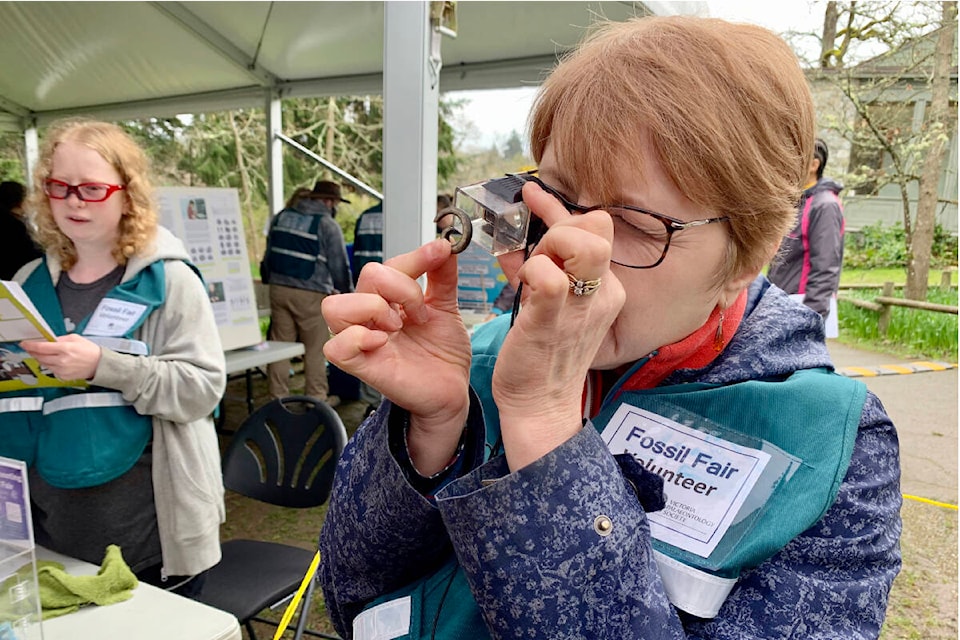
pixel 284 454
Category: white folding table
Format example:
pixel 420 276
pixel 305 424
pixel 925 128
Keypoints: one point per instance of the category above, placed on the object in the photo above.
pixel 151 614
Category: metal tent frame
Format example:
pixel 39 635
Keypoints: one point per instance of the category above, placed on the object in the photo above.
pixel 115 60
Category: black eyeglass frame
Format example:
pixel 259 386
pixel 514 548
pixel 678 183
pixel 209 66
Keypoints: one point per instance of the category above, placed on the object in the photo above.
pixel 670 224
pixel 75 189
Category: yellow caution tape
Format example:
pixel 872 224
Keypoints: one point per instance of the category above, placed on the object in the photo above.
pixel 945 505
pixel 292 607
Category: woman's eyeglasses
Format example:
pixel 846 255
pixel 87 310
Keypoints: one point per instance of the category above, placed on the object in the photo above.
pixel 640 237
pixel 87 191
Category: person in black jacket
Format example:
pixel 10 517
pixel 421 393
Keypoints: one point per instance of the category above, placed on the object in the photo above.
pixel 19 249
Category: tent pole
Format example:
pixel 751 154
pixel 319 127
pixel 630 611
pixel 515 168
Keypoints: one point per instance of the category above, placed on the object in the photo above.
pixel 410 99
pixel 274 153
pixel 31 145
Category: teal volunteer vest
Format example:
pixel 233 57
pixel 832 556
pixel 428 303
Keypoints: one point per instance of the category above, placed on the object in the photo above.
pixel 80 437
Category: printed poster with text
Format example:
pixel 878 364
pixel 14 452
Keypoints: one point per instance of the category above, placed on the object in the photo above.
pixel 209 223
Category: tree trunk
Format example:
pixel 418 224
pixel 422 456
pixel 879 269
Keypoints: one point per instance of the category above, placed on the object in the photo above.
pixel 252 231
pixel 828 43
pixel 918 267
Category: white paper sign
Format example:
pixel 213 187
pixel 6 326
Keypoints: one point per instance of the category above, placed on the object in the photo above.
pixel 706 479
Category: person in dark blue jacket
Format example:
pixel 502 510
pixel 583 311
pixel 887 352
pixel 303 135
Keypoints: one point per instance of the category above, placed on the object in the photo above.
pixel 367 247
pixel 367 239
pixel 304 262
pixel 657 446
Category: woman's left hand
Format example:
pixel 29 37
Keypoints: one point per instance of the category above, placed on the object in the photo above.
pixel 540 372
pixel 71 357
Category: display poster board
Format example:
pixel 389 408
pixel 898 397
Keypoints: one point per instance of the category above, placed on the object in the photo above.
pixel 209 223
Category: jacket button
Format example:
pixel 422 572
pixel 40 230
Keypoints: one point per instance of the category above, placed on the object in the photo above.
pixel 603 526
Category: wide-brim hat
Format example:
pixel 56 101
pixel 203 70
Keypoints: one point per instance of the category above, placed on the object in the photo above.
pixel 328 189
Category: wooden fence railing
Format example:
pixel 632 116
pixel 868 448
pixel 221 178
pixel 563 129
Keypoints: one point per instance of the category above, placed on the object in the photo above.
pixel 883 303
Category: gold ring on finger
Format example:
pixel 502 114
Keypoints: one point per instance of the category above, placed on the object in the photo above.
pixel 582 287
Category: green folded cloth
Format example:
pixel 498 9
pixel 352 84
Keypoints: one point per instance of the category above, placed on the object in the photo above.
pixel 62 593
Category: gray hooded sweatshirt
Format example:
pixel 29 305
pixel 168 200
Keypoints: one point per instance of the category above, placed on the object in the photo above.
pixel 179 385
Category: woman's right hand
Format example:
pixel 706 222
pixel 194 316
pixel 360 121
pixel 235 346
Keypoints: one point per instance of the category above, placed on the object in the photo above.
pixel 410 345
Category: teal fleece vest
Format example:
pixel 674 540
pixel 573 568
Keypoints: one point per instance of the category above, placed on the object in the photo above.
pixel 813 415
pixel 79 437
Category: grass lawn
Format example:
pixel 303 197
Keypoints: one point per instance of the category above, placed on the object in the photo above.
pixel 913 334
pixel 923 601
pixel 879 276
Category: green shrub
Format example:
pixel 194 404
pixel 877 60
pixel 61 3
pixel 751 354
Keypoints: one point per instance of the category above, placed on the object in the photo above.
pixel 877 246
pixel 944 251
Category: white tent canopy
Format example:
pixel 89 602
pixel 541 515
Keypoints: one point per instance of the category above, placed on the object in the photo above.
pixel 115 60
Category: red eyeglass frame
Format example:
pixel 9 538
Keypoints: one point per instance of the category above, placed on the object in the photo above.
pixel 75 189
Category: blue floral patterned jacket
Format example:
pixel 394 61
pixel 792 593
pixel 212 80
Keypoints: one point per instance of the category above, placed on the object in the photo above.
pixel 383 530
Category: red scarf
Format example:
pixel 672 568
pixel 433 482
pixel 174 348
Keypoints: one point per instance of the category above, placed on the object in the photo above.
pixel 695 351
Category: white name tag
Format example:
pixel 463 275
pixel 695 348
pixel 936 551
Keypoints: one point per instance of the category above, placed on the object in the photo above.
pixel 114 317
pixel 706 479
pixel 384 621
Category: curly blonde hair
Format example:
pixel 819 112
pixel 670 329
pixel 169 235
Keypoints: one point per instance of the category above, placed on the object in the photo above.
pixel 138 223
pixel 725 107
